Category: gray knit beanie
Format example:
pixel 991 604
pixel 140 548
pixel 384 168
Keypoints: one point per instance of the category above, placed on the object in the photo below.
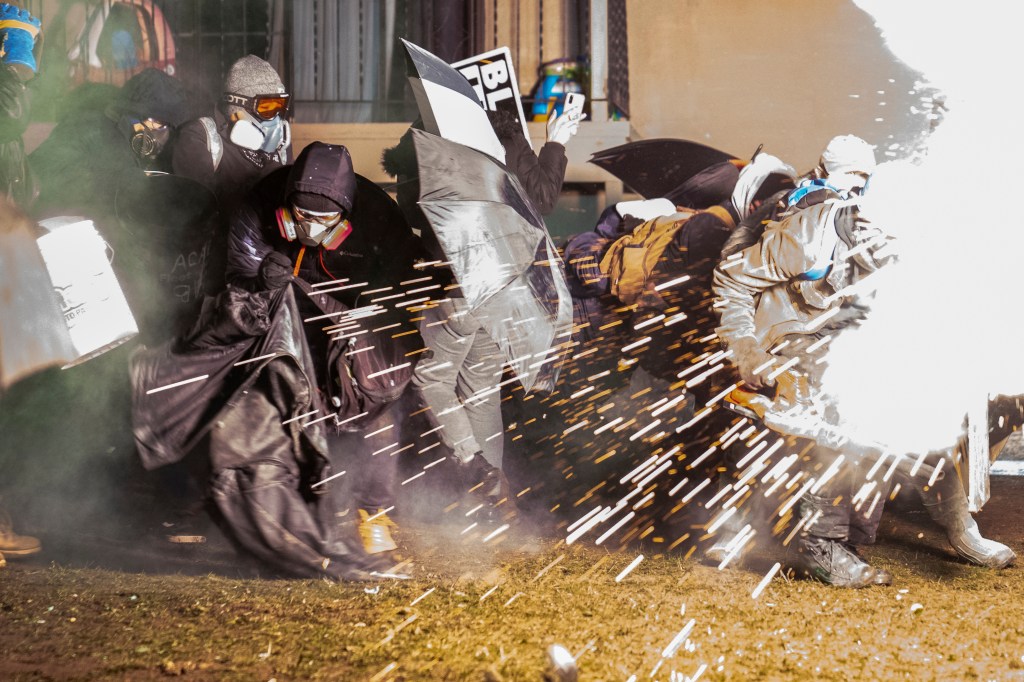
pixel 251 76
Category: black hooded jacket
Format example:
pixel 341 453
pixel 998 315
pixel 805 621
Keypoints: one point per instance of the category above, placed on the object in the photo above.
pixel 235 174
pixel 380 250
pixel 87 159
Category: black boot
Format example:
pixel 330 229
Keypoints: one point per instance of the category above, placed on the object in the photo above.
pixel 832 562
pixel 486 483
pixel 822 550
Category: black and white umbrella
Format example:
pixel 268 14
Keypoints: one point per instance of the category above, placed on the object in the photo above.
pixel 499 249
pixel 447 103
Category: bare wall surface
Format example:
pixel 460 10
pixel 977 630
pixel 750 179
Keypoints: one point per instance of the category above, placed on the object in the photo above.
pixel 788 73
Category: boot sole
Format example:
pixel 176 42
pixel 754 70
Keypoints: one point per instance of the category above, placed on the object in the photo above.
pixel 186 539
pixel 22 552
pixel 380 550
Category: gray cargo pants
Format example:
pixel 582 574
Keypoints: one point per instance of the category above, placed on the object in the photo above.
pixel 459 381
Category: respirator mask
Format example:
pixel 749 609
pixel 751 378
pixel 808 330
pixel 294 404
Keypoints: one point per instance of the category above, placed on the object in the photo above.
pixel 147 137
pixel 313 228
pixel 263 126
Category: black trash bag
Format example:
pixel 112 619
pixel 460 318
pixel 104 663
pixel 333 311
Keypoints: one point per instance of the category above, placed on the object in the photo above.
pixel 256 382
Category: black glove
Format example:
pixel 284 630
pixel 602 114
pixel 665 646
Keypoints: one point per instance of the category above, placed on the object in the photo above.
pixel 747 357
pixel 275 271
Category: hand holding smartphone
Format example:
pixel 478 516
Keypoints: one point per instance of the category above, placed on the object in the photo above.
pixel 573 108
pixel 562 128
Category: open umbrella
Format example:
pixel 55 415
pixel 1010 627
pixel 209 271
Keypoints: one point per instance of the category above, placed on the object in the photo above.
pixel 654 168
pixel 498 248
pixel 447 103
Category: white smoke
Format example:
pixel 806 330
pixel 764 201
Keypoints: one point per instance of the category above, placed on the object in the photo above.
pixel 944 329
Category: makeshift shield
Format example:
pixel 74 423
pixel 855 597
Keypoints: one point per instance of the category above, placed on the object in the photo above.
pixel 654 168
pixel 447 103
pixel 499 249
pixel 33 333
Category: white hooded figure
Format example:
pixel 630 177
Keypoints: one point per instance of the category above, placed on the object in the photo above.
pixel 847 162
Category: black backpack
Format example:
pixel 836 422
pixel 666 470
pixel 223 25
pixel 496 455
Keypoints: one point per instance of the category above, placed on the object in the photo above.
pixel 370 364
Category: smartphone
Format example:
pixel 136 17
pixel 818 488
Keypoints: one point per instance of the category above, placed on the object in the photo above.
pixel 574 105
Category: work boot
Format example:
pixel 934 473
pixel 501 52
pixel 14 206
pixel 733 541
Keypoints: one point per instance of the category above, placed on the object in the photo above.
pixel 882 576
pixel 482 479
pixel 488 484
pixel 187 528
pixel 12 544
pixel 832 562
pixel 375 532
pixel 946 503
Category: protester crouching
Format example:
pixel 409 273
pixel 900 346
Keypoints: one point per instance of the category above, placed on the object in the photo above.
pixel 767 298
pixel 364 241
pixel 852 160
pixel 333 361
pixel 785 294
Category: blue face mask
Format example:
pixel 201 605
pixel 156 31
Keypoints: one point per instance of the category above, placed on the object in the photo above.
pixel 265 136
pixel 273 134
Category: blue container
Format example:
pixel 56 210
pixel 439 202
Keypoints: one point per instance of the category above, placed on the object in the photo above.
pixel 557 80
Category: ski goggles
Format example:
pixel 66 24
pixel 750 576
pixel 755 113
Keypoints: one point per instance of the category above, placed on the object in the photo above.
pixel 264 107
pixel 328 220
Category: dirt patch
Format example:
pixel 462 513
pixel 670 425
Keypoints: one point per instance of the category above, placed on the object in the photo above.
pixel 477 611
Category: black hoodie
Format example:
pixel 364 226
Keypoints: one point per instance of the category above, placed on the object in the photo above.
pixel 380 250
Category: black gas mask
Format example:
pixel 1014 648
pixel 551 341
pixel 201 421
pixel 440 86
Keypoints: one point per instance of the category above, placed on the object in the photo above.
pixel 147 138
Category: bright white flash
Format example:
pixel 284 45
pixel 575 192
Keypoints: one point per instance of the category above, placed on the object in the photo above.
pixel 943 325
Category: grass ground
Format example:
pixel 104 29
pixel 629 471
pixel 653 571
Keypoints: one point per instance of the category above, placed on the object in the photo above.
pixel 488 611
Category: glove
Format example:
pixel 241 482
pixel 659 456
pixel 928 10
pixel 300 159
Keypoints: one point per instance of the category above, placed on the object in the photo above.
pixel 18 33
pixel 562 128
pixel 275 271
pixel 747 357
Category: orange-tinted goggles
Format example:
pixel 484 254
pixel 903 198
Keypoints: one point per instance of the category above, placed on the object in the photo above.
pixel 264 107
pixel 326 219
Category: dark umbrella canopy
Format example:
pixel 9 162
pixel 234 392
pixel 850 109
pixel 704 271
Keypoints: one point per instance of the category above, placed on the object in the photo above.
pixel 655 168
pixel 498 248
pixel 447 104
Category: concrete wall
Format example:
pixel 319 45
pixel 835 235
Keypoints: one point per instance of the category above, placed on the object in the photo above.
pixel 728 73
pixel 366 141
pixel 789 73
